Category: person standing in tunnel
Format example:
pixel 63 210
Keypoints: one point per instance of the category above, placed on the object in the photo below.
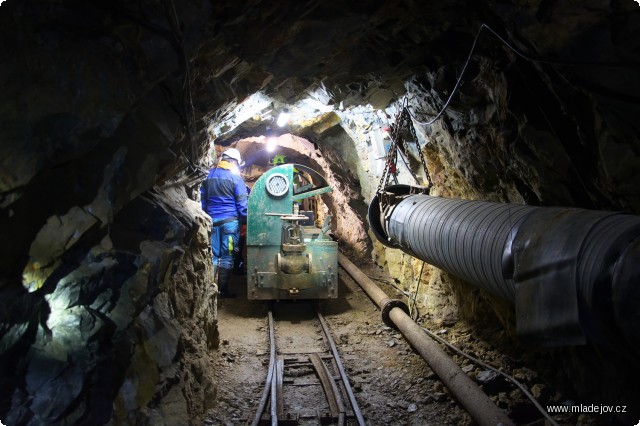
pixel 224 199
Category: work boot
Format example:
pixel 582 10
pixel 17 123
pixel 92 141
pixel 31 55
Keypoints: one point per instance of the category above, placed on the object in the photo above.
pixel 224 276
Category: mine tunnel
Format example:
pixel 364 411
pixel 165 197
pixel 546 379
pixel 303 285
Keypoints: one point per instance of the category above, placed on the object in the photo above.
pixel 476 214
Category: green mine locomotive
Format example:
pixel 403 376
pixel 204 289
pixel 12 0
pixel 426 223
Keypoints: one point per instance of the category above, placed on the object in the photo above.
pixel 290 254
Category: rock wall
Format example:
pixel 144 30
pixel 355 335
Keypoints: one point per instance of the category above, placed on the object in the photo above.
pixel 105 291
pixel 122 327
pixel 107 306
pixel 523 135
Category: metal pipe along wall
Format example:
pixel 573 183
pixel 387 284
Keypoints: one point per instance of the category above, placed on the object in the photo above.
pixel 466 391
pixel 572 274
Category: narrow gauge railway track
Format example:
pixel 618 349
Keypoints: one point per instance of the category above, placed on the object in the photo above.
pixel 306 382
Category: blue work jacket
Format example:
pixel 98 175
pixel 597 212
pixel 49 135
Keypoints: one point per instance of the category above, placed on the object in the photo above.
pixel 224 194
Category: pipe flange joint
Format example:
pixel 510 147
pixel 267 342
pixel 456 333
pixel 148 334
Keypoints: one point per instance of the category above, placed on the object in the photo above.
pixel 386 305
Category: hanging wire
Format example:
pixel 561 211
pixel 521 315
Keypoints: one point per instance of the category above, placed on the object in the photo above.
pixel 522 55
pixel 489 367
pixel 413 307
pixel 437 116
pixel 558 62
pixel 455 87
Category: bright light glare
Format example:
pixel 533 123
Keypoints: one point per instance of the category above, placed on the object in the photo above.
pixel 271 144
pixel 283 118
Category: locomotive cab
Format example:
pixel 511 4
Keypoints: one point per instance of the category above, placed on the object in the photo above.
pixel 289 254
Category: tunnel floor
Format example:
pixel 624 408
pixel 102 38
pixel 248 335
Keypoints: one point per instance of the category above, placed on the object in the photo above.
pixel 392 384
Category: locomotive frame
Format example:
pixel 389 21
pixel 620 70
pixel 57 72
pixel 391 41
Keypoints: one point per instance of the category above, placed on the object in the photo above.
pixel 288 255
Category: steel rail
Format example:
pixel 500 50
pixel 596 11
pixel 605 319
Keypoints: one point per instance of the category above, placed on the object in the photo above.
pixel 270 373
pixel 330 388
pixel 343 374
pixel 466 391
pixel 273 384
pixel 277 381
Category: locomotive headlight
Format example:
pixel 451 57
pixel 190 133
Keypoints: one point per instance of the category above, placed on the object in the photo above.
pixel 272 143
pixel 277 185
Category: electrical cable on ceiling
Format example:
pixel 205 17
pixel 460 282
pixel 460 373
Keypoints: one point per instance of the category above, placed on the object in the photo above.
pixel 558 62
pixel 438 115
pixel 522 55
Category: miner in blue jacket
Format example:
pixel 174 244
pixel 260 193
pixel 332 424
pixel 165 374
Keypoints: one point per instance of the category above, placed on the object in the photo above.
pixel 224 199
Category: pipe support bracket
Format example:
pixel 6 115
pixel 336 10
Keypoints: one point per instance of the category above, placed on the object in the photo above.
pixel 386 305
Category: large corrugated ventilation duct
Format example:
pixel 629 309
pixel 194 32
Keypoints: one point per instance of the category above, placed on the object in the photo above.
pixel 572 274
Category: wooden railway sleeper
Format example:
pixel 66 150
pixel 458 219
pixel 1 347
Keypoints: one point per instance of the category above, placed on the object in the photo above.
pixel 275 381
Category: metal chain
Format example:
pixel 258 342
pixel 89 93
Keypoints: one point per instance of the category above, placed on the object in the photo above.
pixel 420 154
pixel 403 120
pixel 391 156
pixel 406 123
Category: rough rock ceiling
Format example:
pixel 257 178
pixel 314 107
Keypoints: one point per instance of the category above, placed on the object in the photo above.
pixel 105 103
pixel 575 102
pixel 364 53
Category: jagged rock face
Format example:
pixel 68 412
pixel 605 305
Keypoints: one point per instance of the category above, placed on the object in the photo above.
pixel 105 287
pixel 114 320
